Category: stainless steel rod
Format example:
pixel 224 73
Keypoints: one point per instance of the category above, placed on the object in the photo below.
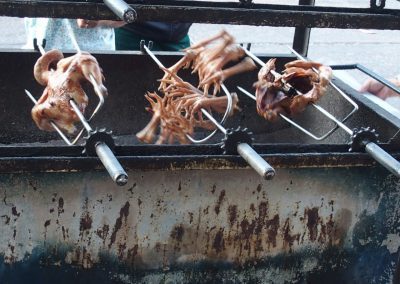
pixel 252 157
pixel 256 161
pixel 106 156
pixel 383 158
pixel 329 115
pixel 213 120
pixel 246 152
pixel 111 164
pixel 122 10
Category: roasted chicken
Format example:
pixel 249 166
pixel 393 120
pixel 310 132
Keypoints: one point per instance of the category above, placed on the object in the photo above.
pixel 62 78
pixel 289 93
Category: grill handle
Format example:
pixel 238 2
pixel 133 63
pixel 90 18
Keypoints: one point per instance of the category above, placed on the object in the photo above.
pixel 122 10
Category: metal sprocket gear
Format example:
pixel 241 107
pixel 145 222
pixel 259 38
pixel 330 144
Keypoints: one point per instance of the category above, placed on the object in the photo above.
pixel 97 136
pixel 361 137
pixel 233 137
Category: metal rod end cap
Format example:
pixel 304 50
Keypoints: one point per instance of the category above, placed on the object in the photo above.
pixel 269 175
pixel 121 179
pixel 130 16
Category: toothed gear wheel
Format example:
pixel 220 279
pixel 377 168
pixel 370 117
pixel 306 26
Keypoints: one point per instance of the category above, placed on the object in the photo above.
pixel 97 136
pixel 362 137
pixel 233 137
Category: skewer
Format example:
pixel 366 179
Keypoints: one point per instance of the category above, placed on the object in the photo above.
pixel 243 149
pixel 323 111
pixel 103 151
pixel 97 142
pixel 363 138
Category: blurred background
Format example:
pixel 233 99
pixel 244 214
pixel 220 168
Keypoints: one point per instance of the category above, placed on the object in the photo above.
pixel 375 49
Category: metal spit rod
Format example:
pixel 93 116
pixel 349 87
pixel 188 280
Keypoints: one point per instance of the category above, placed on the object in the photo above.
pixel 106 156
pixel 92 80
pixel 322 110
pixel 122 10
pixel 380 155
pixel 244 150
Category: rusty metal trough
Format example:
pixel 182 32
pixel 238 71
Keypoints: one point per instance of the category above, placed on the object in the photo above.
pixel 190 214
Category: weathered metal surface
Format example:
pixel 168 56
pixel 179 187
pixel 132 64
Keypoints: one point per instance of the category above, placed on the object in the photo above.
pixel 206 157
pixel 305 226
pixel 217 13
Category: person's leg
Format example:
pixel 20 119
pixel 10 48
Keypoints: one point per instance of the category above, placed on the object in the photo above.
pixel 126 40
pixel 182 44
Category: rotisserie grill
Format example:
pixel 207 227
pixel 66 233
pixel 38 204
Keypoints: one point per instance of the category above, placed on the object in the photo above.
pixel 206 212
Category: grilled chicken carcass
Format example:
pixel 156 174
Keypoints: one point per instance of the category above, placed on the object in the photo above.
pixel 290 93
pixel 62 85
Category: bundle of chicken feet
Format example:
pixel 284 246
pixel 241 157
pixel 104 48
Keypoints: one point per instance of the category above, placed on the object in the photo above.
pixel 181 99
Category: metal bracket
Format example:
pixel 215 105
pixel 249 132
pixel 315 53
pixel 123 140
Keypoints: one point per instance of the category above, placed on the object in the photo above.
pixel 248 45
pixel 143 44
pixel 36 46
pixel 377 4
pixel 246 3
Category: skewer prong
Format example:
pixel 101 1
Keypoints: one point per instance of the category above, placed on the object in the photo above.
pixel 323 111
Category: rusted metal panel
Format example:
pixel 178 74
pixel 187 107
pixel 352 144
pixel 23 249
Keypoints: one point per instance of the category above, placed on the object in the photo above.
pixel 307 225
